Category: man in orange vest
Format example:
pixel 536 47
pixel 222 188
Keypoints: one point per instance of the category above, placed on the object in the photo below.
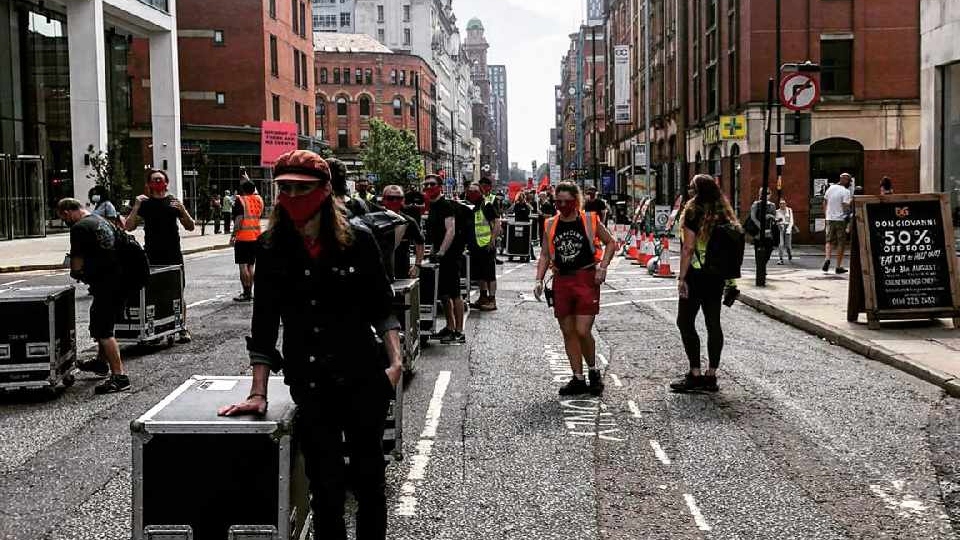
pixel 246 232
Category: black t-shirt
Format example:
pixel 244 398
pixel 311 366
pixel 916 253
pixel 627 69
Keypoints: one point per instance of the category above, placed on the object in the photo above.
pixel 547 209
pixel 440 210
pixel 93 239
pixel 521 211
pixel 413 200
pixel 596 205
pixel 411 237
pixel 161 232
pixel 571 247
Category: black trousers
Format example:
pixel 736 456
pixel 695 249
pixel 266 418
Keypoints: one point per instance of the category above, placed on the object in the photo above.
pixel 706 295
pixel 346 420
pixel 227 221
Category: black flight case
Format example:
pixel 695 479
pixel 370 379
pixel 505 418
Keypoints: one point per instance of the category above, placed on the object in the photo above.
pixel 201 476
pixel 155 312
pixel 38 338
pixel 406 306
pixel 518 240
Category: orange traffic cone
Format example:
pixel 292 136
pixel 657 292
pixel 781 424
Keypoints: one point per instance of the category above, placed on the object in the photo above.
pixel 632 252
pixel 664 270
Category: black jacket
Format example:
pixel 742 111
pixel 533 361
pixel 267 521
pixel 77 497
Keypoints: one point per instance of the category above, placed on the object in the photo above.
pixel 332 309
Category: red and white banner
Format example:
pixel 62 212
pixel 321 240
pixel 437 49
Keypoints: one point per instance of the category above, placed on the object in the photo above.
pixel 276 139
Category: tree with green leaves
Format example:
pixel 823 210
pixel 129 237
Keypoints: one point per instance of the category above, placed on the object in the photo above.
pixel 108 170
pixel 391 154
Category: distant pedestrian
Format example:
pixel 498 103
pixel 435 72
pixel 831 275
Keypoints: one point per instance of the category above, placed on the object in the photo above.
pixel 247 211
pixel 698 290
pixel 597 205
pixel 226 211
pixel 103 207
pixel 414 204
pixel 447 246
pixel 160 212
pixel 321 282
pixel 93 260
pixel 766 235
pixel 886 186
pixel 486 222
pixel 577 249
pixel 786 223
pixel 837 205
pixel 547 210
pixel 364 192
pixel 215 213
pixel 393 200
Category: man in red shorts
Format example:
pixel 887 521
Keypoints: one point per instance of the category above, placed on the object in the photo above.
pixel 578 248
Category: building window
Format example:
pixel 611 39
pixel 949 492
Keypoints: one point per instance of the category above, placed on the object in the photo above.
pixel 403 78
pixel 296 114
pixel 358 74
pixel 323 75
pixel 406 13
pixel 221 99
pixel 344 18
pixel 296 68
pixel 336 75
pixel 413 108
pixel 272 9
pixel 380 13
pixel 393 76
pixel 836 63
pixel 346 75
pixel 342 139
pixel 274 65
pixel 407 39
pixel 950 138
pixel 218 37
pixel 304 71
pixel 381 36
pixel 306 120
pixel 364 106
pixel 341 106
pixel 368 76
pixel 364 135
pixel 303 20
pixel 712 90
pixel 293 17
pixel 276 107
pixel 397 107
pixel 413 75
pixel 328 21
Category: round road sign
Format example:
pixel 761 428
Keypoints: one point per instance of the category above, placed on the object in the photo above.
pixel 799 91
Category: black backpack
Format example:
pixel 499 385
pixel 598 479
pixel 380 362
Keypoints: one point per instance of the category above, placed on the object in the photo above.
pixel 132 259
pixel 465 227
pixel 725 248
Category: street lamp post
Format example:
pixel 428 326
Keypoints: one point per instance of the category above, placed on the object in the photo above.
pixel 780 159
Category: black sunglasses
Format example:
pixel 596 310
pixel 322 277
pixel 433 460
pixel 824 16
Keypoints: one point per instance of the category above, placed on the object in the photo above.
pixel 430 184
pixel 393 197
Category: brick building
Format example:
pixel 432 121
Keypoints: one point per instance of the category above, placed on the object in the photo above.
pixel 359 79
pixel 235 72
pixel 867 123
pixel 583 71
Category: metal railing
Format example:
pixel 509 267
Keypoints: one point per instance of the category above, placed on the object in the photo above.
pixel 162 5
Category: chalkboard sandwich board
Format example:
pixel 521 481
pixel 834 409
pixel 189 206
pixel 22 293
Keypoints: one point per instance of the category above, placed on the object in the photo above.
pixel 909 265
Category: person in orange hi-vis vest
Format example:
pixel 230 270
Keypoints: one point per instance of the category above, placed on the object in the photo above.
pixel 246 233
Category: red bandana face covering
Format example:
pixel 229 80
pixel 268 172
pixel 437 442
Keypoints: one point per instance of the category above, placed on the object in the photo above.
pixel 301 209
pixel 567 208
pixel 432 192
pixel 395 206
pixel 474 196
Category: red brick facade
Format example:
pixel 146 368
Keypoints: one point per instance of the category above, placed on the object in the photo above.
pixel 377 85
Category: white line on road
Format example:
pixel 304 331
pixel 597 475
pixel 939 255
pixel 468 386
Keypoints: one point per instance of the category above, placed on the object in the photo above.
pixel 407 503
pixel 615 291
pixel 658 451
pixel 602 360
pixel 514 269
pixel 207 301
pixel 634 409
pixel 616 380
pixel 12 283
pixel 697 516
pixel 644 301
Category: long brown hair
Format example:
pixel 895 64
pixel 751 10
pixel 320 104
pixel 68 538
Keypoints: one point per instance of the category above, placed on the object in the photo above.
pixel 710 205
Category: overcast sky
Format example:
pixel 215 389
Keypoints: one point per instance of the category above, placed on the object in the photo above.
pixel 529 37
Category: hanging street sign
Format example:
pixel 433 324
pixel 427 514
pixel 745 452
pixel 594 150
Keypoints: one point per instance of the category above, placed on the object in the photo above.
pixel 733 127
pixel 799 91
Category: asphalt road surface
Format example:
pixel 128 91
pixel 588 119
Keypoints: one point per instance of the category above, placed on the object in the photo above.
pixel 804 441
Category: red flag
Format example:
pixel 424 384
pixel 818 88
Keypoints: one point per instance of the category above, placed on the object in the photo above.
pixel 544 183
pixel 513 188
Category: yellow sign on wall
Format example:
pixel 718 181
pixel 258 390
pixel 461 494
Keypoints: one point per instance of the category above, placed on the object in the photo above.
pixel 733 127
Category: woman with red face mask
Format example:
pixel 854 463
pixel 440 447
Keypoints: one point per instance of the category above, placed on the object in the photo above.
pixel 324 280
pixel 578 249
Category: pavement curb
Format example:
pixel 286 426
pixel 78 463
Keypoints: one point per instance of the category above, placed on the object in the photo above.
pixel 36 267
pixel 862 347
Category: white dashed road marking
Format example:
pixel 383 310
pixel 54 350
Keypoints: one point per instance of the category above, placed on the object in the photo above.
pixel 407 504
pixel 634 409
pixel 697 516
pixel 616 380
pixel 658 451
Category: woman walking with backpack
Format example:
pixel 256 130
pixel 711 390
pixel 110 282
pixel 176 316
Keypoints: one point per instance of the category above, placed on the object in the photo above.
pixel 700 290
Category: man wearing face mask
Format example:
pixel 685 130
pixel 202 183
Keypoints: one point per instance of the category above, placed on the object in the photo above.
pixel 93 260
pixel 447 251
pixel 159 212
pixel 483 266
pixel 578 248
pixel 321 280
pixel 393 200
